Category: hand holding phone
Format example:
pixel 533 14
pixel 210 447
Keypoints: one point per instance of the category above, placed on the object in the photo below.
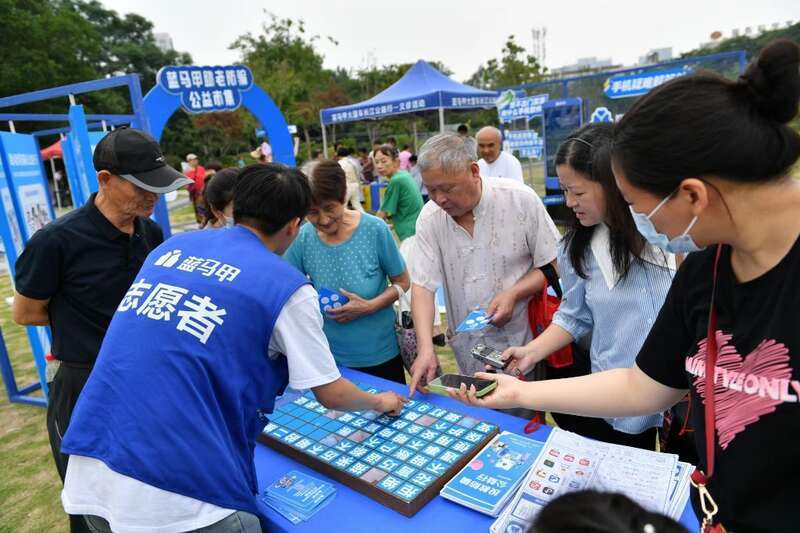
pixel 446 382
pixel 507 393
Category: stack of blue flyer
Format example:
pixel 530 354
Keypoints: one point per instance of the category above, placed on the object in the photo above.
pixel 297 496
pixel 493 476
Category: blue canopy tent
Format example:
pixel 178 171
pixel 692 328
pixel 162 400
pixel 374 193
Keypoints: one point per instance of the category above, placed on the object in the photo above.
pixel 422 88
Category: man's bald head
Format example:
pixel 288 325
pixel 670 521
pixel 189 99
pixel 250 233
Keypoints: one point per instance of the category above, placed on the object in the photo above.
pixel 490 142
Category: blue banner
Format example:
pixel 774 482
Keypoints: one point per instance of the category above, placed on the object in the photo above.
pixel 384 109
pixel 511 106
pixel 630 85
pixel 206 89
pixel 532 152
pixel 527 143
pixel 454 101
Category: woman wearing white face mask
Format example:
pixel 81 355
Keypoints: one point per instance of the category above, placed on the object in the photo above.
pixel 614 283
pixel 682 244
pixel 705 161
pixel 218 198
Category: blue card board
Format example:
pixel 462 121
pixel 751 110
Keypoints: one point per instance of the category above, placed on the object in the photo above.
pixel 407 458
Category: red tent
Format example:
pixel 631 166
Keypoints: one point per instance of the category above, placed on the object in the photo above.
pixel 52 152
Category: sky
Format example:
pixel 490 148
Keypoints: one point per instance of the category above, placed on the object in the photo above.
pixel 461 34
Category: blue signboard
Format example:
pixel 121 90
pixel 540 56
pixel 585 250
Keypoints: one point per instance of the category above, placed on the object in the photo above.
pixel 561 118
pixel 201 89
pixel 82 152
pixel 532 152
pixel 19 159
pixel 206 89
pixel 630 85
pixel 27 181
pixel 511 106
pixel 72 173
pixel 527 143
pixel 522 139
pixel 82 178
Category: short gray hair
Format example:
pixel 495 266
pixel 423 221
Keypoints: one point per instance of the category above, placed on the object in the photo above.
pixel 448 152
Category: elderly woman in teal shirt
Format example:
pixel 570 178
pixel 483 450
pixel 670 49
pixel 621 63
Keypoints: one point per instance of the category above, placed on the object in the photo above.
pixel 355 254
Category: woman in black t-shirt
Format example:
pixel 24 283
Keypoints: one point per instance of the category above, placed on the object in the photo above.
pixel 704 163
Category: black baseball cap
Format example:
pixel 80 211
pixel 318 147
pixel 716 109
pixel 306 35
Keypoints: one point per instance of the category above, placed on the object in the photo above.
pixel 135 156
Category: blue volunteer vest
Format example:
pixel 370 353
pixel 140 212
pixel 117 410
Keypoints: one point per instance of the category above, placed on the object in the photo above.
pixel 172 400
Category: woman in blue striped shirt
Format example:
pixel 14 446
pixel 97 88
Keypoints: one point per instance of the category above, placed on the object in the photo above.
pixel 614 282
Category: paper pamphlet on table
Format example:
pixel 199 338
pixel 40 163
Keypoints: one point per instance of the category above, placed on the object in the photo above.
pixel 491 478
pixel 569 462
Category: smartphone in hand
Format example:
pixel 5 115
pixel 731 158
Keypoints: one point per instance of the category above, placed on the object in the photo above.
pixel 447 382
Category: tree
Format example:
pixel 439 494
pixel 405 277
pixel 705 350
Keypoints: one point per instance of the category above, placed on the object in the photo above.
pixel 514 68
pixel 286 64
pixel 220 134
pixel 127 44
pixel 751 45
pixel 57 42
pixel 44 44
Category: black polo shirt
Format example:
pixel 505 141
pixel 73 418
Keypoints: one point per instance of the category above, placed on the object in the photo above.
pixel 84 265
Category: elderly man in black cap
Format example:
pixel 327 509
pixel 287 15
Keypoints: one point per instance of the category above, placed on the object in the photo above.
pixel 74 272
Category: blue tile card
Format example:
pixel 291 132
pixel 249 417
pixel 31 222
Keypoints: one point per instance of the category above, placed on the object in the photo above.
pixel 475 321
pixel 329 300
pixel 408 491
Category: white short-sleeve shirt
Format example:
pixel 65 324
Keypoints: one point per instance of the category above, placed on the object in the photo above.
pixel 512 235
pixel 505 166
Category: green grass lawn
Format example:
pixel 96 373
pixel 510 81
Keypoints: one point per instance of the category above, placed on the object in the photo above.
pixel 29 484
pixel 533 174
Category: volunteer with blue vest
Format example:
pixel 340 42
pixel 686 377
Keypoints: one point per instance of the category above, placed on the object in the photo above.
pixel 214 327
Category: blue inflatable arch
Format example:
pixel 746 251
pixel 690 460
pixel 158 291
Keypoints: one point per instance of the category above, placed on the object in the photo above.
pixel 160 105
